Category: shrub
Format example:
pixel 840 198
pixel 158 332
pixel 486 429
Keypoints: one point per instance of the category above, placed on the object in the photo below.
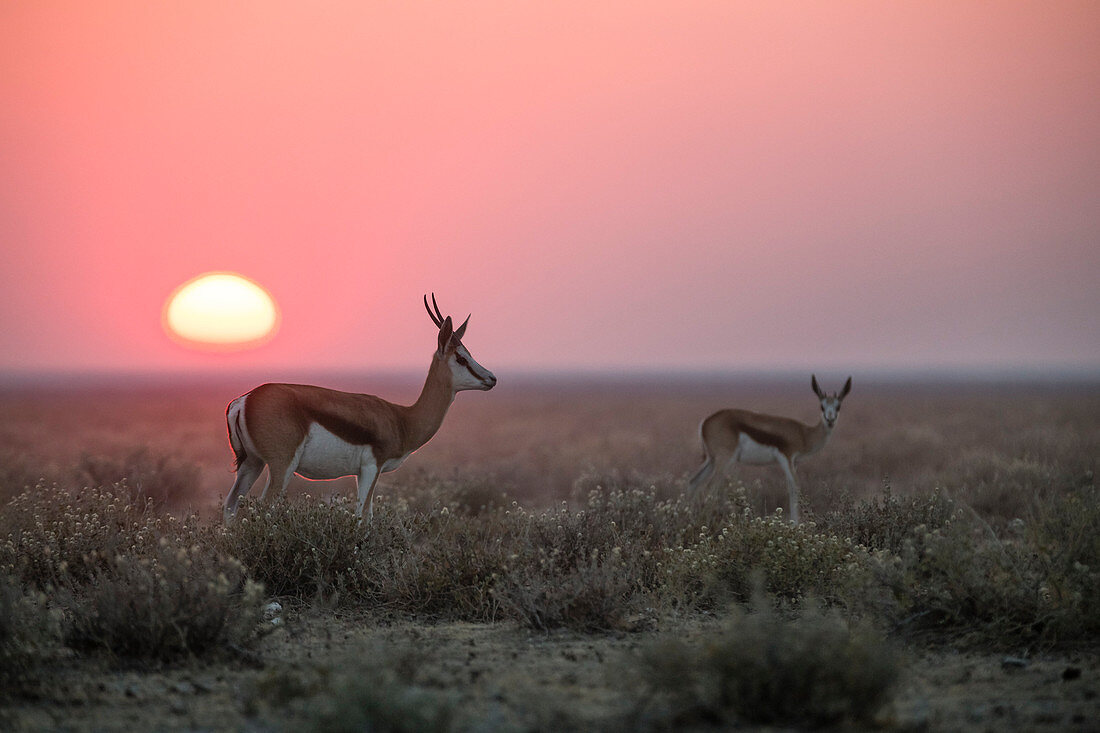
pixel 1001 484
pixel 887 521
pixel 591 568
pixel 18 475
pixel 374 691
pixel 594 595
pixel 1035 584
pixel 1065 535
pixel 812 671
pixel 452 567
pixel 467 495
pixel 794 562
pixel 164 479
pixel 175 601
pixel 49 536
pixel 27 629
pixel 433 563
pixel 303 548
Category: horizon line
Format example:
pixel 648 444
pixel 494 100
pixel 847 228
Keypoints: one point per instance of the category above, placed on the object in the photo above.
pixel 14 378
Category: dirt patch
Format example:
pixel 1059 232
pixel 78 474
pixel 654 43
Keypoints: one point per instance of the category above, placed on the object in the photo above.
pixel 502 677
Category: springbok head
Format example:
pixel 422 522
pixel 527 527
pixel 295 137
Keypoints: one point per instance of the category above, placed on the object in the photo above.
pixel 830 404
pixel 465 372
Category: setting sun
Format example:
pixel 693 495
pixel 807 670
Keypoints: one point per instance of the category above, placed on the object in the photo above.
pixel 221 310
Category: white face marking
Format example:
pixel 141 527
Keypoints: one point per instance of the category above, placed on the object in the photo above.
pixel 323 455
pixel 830 409
pixel 467 373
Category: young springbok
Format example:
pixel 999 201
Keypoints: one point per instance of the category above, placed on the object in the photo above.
pixel 740 436
pixel 320 433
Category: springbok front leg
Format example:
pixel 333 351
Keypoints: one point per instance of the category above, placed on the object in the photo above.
pixel 368 479
pixel 792 484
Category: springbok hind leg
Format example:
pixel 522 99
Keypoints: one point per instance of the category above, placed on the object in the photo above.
pixel 246 477
pixel 703 475
pixel 278 476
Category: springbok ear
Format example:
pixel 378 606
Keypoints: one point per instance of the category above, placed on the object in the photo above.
pixel 445 333
pixel 817 389
pixel 847 388
pixel 461 330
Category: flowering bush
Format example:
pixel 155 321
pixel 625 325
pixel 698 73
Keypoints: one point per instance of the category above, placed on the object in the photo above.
pixel 175 601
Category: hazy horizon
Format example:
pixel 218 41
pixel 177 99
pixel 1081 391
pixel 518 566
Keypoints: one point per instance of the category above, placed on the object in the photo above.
pixel 405 378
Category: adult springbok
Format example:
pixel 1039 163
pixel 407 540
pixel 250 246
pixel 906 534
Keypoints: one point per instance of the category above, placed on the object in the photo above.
pixel 740 436
pixel 320 433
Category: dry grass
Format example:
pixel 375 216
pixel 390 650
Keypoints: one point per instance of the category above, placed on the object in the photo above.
pixel 554 513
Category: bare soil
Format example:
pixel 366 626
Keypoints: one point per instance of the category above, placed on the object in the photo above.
pixel 507 678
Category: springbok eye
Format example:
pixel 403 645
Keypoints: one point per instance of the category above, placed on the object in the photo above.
pixel 462 361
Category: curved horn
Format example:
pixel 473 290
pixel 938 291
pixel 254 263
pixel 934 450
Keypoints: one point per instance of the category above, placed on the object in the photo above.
pixel 438 321
pixel 435 305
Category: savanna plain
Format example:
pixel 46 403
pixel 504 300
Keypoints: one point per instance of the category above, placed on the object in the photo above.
pixel 541 565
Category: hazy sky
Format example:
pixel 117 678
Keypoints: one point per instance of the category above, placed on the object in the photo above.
pixel 632 184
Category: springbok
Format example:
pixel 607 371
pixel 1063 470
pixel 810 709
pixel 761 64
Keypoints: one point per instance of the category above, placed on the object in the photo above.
pixel 321 433
pixel 740 436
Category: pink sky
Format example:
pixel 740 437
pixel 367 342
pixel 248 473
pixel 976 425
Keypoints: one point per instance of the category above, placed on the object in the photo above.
pixel 701 185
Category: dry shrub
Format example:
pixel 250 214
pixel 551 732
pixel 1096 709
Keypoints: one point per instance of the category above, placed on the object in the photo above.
pixel 599 567
pixel 466 494
pixel 594 595
pixel 593 567
pixel 887 521
pixel 17 475
pixel 50 536
pixel 1065 533
pixel 174 602
pixel 811 671
pixel 1034 584
pixel 455 564
pixel 301 548
pixel 375 690
pixel 164 479
pixel 27 629
pixel 435 563
pixel 1000 485
pixel 795 562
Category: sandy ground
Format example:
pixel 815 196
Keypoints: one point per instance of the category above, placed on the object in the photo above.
pixel 503 677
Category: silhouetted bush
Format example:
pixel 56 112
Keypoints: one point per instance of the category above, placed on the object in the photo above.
pixel 174 602
pixel 814 670
pixel 166 480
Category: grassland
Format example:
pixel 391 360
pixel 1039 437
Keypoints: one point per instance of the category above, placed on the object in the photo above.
pixel 538 566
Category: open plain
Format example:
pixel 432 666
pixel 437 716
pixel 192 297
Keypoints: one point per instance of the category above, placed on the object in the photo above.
pixel 539 566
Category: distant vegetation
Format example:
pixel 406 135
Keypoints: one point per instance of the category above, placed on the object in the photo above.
pixel 97 565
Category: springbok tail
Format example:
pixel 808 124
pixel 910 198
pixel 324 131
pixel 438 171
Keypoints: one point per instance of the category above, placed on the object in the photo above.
pixel 234 414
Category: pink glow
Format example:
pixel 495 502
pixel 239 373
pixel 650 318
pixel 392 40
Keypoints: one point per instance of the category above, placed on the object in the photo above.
pixel 654 185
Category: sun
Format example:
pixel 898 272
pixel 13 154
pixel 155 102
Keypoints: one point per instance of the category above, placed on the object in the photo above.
pixel 221 311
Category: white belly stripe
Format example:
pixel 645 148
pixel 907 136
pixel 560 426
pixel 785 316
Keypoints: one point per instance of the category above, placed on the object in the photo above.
pixel 325 456
pixel 751 452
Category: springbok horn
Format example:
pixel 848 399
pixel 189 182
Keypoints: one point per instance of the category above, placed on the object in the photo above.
pixel 438 314
pixel 437 321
